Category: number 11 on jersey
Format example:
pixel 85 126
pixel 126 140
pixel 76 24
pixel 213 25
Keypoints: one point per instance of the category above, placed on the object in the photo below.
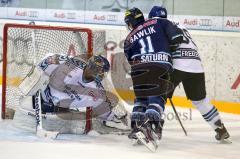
pixel 146 45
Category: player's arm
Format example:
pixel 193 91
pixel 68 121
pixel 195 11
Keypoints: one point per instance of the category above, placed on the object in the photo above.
pixel 51 61
pixel 38 76
pixel 175 35
pixel 127 50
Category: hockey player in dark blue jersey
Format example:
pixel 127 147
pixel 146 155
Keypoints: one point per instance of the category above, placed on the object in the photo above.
pixel 147 50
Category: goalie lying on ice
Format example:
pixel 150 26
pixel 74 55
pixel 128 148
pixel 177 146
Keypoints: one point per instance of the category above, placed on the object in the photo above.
pixel 70 84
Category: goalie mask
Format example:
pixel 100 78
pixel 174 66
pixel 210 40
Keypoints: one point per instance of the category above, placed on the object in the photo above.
pixel 133 18
pixel 98 65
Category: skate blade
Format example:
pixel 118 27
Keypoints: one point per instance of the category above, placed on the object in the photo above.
pixel 149 144
pixel 156 138
pixel 136 142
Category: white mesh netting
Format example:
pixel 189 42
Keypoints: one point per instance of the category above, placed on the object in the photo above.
pixel 26 46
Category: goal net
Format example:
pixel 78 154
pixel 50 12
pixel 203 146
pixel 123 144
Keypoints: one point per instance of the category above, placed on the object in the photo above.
pixel 25 45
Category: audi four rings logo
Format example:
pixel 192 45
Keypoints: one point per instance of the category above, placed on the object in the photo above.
pixel 112 18
pixel 205 22
pixel 33 14
pixel 71 15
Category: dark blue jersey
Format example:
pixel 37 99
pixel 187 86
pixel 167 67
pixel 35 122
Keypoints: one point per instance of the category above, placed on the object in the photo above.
pixel 150 41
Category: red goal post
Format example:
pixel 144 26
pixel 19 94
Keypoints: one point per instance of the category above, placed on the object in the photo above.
pixel 23 45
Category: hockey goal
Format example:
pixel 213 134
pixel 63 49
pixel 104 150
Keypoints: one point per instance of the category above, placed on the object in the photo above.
pixel 26 45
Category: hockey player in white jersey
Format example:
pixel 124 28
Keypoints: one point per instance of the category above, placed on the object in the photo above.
pixel 188 69
pixel 75 83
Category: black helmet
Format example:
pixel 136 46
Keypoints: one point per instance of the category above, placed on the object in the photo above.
pixel 133 17
pixel 158 11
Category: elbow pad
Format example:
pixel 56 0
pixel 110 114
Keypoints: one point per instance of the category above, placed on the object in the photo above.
pixel 179 38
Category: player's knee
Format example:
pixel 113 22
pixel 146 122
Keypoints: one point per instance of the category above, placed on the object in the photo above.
pixel 202 103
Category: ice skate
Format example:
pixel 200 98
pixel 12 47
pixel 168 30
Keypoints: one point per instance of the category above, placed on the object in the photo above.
pixel 222 134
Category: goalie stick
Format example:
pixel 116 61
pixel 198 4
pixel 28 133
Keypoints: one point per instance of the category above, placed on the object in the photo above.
pixel 39 124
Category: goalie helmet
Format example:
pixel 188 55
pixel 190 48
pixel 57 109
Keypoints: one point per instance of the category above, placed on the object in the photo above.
pixel 158 11
pixel 133 18
pixel 98 65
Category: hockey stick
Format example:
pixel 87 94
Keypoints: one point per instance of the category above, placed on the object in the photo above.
pixel 38 114
pixel 174 109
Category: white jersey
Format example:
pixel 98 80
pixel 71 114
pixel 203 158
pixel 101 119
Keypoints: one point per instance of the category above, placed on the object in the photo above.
pixel 66 87
pixel 186 57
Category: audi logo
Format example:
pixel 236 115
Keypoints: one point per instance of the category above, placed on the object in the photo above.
pixel 205 22
pixel 112 18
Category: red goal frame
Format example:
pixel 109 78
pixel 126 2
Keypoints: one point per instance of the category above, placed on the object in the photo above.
pixel 5 50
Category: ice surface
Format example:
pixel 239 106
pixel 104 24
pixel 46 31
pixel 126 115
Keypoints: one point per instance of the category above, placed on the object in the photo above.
pixel 199 144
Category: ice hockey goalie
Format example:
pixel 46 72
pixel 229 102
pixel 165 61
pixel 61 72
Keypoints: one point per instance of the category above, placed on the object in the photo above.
pixel 68 85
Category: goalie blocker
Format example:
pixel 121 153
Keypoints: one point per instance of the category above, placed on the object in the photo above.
pixel 36 79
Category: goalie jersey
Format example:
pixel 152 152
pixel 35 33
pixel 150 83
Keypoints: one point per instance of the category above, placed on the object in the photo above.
pixel 66 86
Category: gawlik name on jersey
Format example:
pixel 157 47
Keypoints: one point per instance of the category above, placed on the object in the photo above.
pixel 142 33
